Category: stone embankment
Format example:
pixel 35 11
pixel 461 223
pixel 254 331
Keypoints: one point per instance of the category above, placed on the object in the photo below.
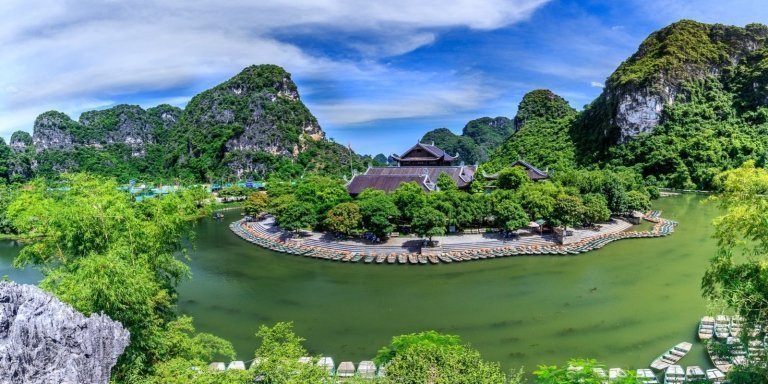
pixel 265 234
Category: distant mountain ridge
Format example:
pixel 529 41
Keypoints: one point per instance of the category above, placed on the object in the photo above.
pixel 249 126
pixel 477 140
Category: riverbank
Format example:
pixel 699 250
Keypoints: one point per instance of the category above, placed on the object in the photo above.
pixel 455 248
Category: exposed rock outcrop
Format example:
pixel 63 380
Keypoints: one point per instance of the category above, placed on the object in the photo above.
pixel 258 112
pixel 637 92
pixel 20 141
pixel 43 340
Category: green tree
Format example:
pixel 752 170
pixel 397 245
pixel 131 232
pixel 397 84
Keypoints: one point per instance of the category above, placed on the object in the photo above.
pixel 568 211
pixel 512 178
pixel 638 201
pixel 256 204
pixel 297 216
pixel 378 211
pixel 595 209
pixel 429 222
pixel 510 215
pixel 538 199
pixel 446 182
pixel 279 355
pixel 322 193
pixel 101 252
pixel 578 371
pixel 409 198
pixel 345 218
pixel 740 282
pixel 276 205
pixel 430 357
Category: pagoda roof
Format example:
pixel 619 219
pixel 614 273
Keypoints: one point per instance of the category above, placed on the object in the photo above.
pixel 436 152
pixel 534 173
pixel 387 183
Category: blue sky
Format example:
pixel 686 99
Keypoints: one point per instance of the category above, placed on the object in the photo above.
pixel 377 75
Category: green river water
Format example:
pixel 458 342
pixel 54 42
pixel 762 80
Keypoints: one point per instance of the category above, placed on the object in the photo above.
pixel 623 304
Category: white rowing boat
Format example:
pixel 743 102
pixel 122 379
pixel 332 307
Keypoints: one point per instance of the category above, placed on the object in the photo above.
pixel 706 328
pixel 722 326
pixel 672 356
pixel 674 375
pixel 693 373
pixel 646 376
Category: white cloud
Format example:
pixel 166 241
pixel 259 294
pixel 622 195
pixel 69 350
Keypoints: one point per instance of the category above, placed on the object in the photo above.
pixel 66 52
pixel 596 84
pixel 429 96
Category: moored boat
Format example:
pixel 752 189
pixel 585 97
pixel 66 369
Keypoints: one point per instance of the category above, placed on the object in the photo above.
pixel 715 376
pixel 646 376
pixel 674 375
pixel 737 322
pixel 694 373
pixel 706 327
pixel 616 374
pixel 672 356
pixel 722 326
pixel 718 361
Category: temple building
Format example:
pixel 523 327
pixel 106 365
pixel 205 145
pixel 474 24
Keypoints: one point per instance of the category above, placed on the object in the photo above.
pixel 422 164
pixel 534 173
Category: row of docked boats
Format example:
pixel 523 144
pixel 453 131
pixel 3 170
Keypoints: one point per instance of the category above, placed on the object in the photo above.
pixel 724 326
pixel 346 369
pixel 673 373
pixel 274 239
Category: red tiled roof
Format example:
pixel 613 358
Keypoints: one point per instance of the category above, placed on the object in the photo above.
pixel 462 175
pixel 387 183
pixel 438 153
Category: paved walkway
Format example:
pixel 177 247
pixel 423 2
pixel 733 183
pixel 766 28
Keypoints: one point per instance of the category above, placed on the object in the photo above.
pixel 452 248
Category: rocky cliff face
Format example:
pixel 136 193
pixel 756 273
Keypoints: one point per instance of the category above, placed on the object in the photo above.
pixel 52 131
pixel 45 341
pixel 256 113
pixel 637 92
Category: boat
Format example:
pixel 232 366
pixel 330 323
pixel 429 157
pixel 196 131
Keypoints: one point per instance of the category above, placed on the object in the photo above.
pixel 737 322
pixel 600 373
pixel 718 361
pixel 444 258
pixel 422 259
pixel 646 376
pixel 694 373
pixel 357 257
pixel 433 259
pixel 722 326
pixel 391 259
pixel 672 356
pixel 674 375
pixel 402 258
pixel 381 258
pixel 616 374
pixel 706 327
pixel 413 258
pixel 369 259
pixel 715 376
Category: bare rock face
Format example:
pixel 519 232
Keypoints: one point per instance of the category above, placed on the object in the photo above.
pixel 51 131
pixel 641 111
pixel 43 340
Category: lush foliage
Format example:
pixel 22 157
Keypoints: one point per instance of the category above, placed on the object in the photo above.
pixel 429 222
pixel 345 218
pixel 477 140
pixel 437 358
pixel 737 274
pixel 578 371
pixel 256 204
pixel 101 252
pixel 543 134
